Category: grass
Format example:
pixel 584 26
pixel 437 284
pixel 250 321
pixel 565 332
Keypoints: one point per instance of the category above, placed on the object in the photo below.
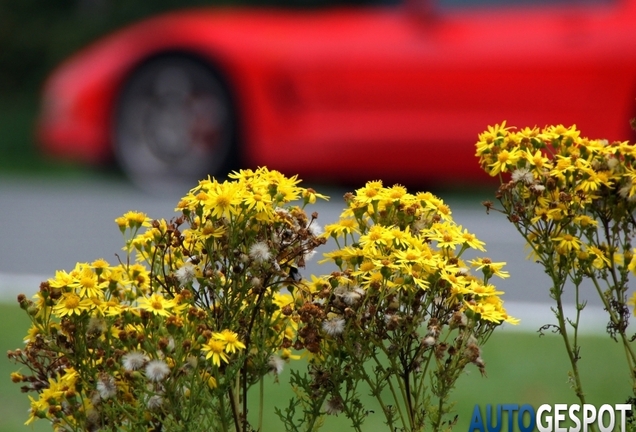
pixel 522 368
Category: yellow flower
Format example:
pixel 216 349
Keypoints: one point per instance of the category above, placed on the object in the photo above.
pixel 210 230
pixel 555 132
pixel 487 138
pixel 223 200
pixel 230 339
pixel 157 304
pixel 505 160
pixel 410 256
pixel 310 195
pixel 341 228
pixel 567 242
pixel 215 349
pixel 447 235
pixel 261 202
pixel 32 333
pixel 489 268
pixel 369 193
pixel 395 192
pixel 139 276
pixel 286 354
pixel 472 240
pixel 537 160
pixel 87 282
pixel 584 221
pixel 562 167
pixel 376 237
pixel 209 380
pixel 70 304
pixel 133 219
pixel 282 300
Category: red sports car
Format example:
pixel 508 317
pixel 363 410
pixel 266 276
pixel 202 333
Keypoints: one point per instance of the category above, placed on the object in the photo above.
pixel 395 92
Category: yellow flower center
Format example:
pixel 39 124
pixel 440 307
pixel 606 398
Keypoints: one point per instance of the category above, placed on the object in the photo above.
pixel 443 209
pixel 216 346
pixel 375 236
pixel 87 282
pixel 367 266
pixel 503 156
pixel 230 338
pixel 223 201
pixel 370 193
pixel 72 301
pixel 411 256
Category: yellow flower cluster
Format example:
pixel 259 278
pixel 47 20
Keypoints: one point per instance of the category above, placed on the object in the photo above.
pixel 560 186
pixel 573 200
pixel 393 241
pixel 404 314
pixel 197 296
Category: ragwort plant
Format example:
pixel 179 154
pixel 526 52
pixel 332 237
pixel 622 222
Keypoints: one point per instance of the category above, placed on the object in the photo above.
pixel 200 308
pixel 174 335
pixel 402 317
pixel 573 201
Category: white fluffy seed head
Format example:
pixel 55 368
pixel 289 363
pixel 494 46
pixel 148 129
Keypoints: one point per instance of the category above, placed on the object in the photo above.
pixel 333 326
pixel 106 386
pixel 157 370
pixel 186 273
pixel 276 364
pixel 260 252
pixel 134 360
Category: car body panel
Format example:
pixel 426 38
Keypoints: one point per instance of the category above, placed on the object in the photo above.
pixel 390 92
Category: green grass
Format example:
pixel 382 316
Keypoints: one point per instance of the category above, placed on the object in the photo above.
pixel 522 368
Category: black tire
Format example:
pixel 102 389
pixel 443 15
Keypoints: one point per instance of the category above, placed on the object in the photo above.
pixel 174 125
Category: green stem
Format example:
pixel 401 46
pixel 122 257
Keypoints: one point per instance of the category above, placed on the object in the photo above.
pixel 392 389
pixel 401 384
pixel 629 353
pixel 572 355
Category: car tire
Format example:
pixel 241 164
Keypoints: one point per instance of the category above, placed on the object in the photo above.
pixel 174 125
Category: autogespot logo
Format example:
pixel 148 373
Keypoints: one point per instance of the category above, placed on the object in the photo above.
pixel 550 418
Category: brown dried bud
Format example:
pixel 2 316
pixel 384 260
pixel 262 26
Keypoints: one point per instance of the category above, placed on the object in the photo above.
pixel 551 184
pixel 23 301
pixel 163 343
pixel 440 349
pixel 313 348
pixel 393 323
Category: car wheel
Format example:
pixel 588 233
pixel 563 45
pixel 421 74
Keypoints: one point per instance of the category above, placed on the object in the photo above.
pixel 174 125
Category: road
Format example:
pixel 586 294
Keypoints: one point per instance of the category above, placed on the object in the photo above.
pixel 47 224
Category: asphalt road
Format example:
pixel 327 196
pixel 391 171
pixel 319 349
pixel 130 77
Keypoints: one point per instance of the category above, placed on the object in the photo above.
pixel 47 224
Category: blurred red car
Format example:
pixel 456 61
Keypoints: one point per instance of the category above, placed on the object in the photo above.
pixel 345 93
